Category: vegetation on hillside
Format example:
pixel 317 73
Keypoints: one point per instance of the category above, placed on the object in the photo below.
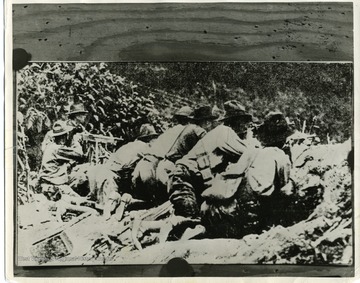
pixel 318 93
pixel 120 97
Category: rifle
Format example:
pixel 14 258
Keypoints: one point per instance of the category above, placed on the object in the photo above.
pixel 299 138
pixel 101 139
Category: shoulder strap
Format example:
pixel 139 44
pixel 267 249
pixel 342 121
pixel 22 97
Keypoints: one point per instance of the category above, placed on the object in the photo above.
pixel 175 141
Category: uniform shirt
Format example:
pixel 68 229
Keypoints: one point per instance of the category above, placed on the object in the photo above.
pixel 177 141
pixel 127 155
pixel 269 171
pixel 216 148
pixel 161 146
pixel 56 163
pixel 77 139
pixel 188 138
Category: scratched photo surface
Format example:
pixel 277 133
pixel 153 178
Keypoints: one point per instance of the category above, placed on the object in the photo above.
pixel 137 163
pixel 182 139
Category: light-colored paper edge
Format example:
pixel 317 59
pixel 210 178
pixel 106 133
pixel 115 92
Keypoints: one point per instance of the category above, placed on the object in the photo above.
pixel 8 165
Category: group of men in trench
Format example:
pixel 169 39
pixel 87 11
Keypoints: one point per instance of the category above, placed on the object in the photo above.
pixel 219 173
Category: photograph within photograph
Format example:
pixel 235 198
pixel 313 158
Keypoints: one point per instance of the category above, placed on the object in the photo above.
pixel 211 162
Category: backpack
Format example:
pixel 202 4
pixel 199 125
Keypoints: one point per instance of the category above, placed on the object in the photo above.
pixel 224 186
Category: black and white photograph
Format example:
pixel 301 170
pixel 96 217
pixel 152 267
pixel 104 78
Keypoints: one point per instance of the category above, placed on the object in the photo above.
pixel 127 163
pixel 187 162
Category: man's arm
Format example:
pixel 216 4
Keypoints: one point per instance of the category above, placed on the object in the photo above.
pixel 200 132
pixel 229 142
pixel 69 154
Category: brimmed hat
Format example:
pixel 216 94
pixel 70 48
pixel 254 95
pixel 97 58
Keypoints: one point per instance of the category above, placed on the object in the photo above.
pixel 203 112
pixel 233 109
pixel 147 131
pixel 60 128
pixel 276 120
pixel 274 129
pixel 185 111
pixel 77 109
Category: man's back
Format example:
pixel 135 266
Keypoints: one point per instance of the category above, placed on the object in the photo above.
pixel 218 142
pixel 161 146
pixel 127 155
pixel 186 140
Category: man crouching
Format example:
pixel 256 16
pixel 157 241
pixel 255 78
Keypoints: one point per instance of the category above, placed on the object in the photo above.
pixel 56 170
pixel 246 197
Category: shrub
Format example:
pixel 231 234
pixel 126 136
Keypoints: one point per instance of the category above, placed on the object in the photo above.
pixel 117 107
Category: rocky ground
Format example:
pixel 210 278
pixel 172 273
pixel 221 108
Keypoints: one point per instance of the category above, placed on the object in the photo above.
pixel 317 229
